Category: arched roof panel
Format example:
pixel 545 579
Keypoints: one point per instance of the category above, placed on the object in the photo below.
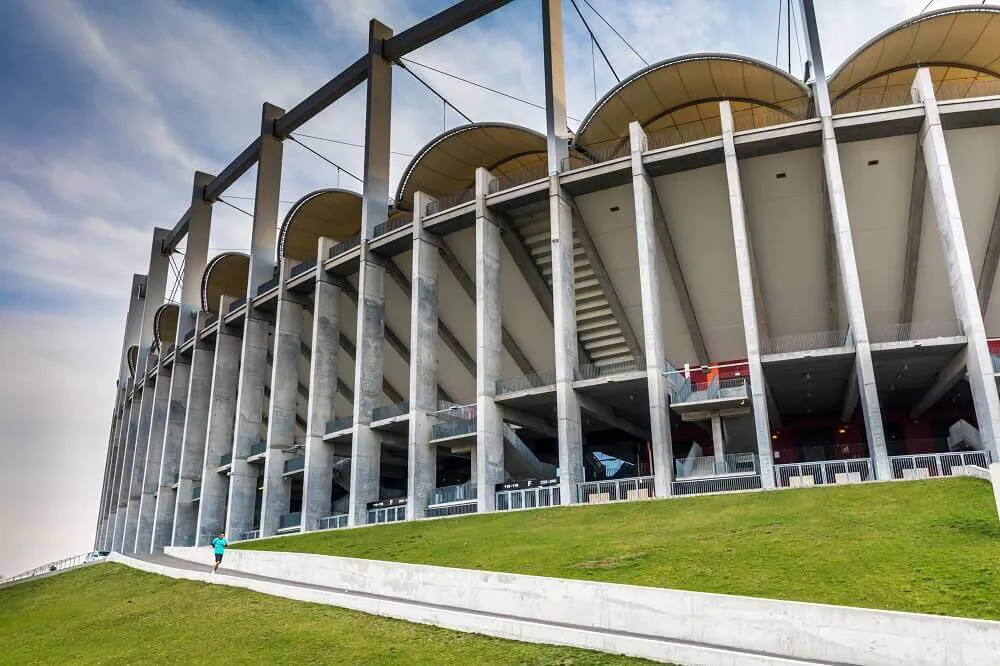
pixel 165 323
pixel 333 213
pixel 960 44
pixel 448 163
pixel 681 91
pixel 225 275
pixel 132 358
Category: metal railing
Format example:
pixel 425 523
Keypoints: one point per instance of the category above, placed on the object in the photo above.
pixel 526 382
pixel 462 492
pixel 249 535
pixel 885 99
pixel 225 459
pixel 996 362
pixel 212 319
pixel 799 342
pixel 345 245
pixel 688 133
pixel 706 466
pixel 720 389
pixel 338 424
pixel 458 509
pixel 520 177
pixel 292 465
pixel 257 449
pixel 400 220
pixel 336 522
pixel 238 303
pixel 719 484
pixel 924 465
pixel 173 479
pixel 268 286
pixel 450 201
pixel 615 490
pixel 290 520
pixel 591 155
pixel 189 335
pixel 825 472
pixel 299 269
pixel 621 366
pixel 392 514
pixel 760 117
pixel 58 565
pixel 196 493
pixel 390 411
pixel 527 498
pixel 916 330
pixel 968 90
pixel 453 428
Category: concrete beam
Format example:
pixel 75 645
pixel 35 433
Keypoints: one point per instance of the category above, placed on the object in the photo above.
pixel 914 226
pixel 953 373
pixel 352 351
pixel 530 421
pixel 608 416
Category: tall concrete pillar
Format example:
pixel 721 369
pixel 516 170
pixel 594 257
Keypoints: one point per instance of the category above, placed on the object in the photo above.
pixel 130 416
pixel 108 456
pixel 748 303
pixel 195 259
pixel 128 463
pixel 154 448
pixel 221 422
pixel 718 442
pixel 489 335
pixel 956 254
pixel 282 408
pixel 650 254
pixel 264 237
pixel 318 481
pixel 850 282
pixel 422 458
pixel 192 453
pixel 366 447
pixel 107 516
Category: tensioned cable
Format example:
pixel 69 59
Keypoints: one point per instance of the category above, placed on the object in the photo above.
pixel 777 39
pixel 594 37
pixel 345 143
pixel 325 158
pixel 637 55
pixel 480 85
pixel 429 87
pixel 235 207
pixel 795 29
pixel 233 196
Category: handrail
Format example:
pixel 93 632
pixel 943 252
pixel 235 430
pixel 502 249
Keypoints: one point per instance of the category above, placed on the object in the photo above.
pixel 58 565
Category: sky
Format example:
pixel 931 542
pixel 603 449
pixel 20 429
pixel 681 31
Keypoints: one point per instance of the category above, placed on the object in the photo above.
pixel 111 106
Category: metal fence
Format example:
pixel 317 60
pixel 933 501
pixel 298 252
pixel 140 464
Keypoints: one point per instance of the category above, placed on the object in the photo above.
pixel 527 498
pixel 292 465
pixel 391 411
pixel 760 117
pixel 268 286
pixel 58 565
pixel 615 490
pixel 916 330
pixel 225 459
pixel 450 201
pixel 453 428
pixel 519 177
pixel 718 389
pixel 196 493
pixel 290 520
pixel 885 99
pixel 968 90
pixel 399 221
pixel 458 493
pixel 786 344
pixel 345 245
pixel 618 367
pixel 257 449
pixel 299 269
pixel 458 509
pixel 342 423
pixel 681 134
pixel 704 466
pixel 392 514
pixel 525 382
pixel 591 155
pixel 925 465
pixel 720 484
pixel 238 303
pixel 189 335
pixel 824 472
pixel 336 522
pixel 212 320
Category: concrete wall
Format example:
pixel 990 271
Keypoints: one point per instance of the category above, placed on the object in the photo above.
pixel 747 625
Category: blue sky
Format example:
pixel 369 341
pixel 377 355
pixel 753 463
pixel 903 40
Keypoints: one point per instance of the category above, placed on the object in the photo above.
pixel 110 106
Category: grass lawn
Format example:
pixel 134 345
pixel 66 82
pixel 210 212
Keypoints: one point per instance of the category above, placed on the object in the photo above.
pixel 110 614
pixel 923 546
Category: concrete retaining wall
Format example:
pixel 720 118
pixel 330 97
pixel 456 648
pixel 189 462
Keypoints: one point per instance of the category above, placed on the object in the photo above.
pixel 765 628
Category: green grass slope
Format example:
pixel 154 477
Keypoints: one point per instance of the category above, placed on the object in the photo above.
pixel 927 546
pixel 110 614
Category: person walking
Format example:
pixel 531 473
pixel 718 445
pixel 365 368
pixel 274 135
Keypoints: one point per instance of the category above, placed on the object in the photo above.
pixel 219 543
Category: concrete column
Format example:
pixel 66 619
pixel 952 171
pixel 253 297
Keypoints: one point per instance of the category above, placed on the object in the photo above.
pixel 221 422
pixel 131 434
pixel 282 408
pixel 422 459
pixel 570 424
pixel 956 254
pixel 650 254
pixel 116 527
pixel 719 442
pixel 748 302
pixel 192 453
pixel 108 457
pixel 133 492
pixel 318 482
pixel 366 453
pixel 366 448
pixel 110 505
pixel 850 282
pixel 264 237
pixel 154 448
pixel 557 131
pixel 489 335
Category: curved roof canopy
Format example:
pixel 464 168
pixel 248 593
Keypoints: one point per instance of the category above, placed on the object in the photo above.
pixel 132 358
pixel 683 92
pixel 448 163
pixel 960 45
pixel 165 323
pixel 225 275
pixel 335 214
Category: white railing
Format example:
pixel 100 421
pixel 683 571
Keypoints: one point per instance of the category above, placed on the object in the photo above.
pixel 527 498
pixel 460 508
pixel 916 330
pixel 58 565
pixel 705 466
pixel 825 472
pixel 925 465
pixel 333 522
pixel 462 492
pixel 392 514
pixel 615 490
pixel 719 484
pixel 799 342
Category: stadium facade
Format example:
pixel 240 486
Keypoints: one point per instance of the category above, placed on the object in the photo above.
pixel 727 279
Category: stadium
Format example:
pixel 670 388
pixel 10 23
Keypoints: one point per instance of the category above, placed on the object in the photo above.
pixel 726 280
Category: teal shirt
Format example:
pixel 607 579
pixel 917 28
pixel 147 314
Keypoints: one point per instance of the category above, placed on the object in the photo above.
pixel 220 545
